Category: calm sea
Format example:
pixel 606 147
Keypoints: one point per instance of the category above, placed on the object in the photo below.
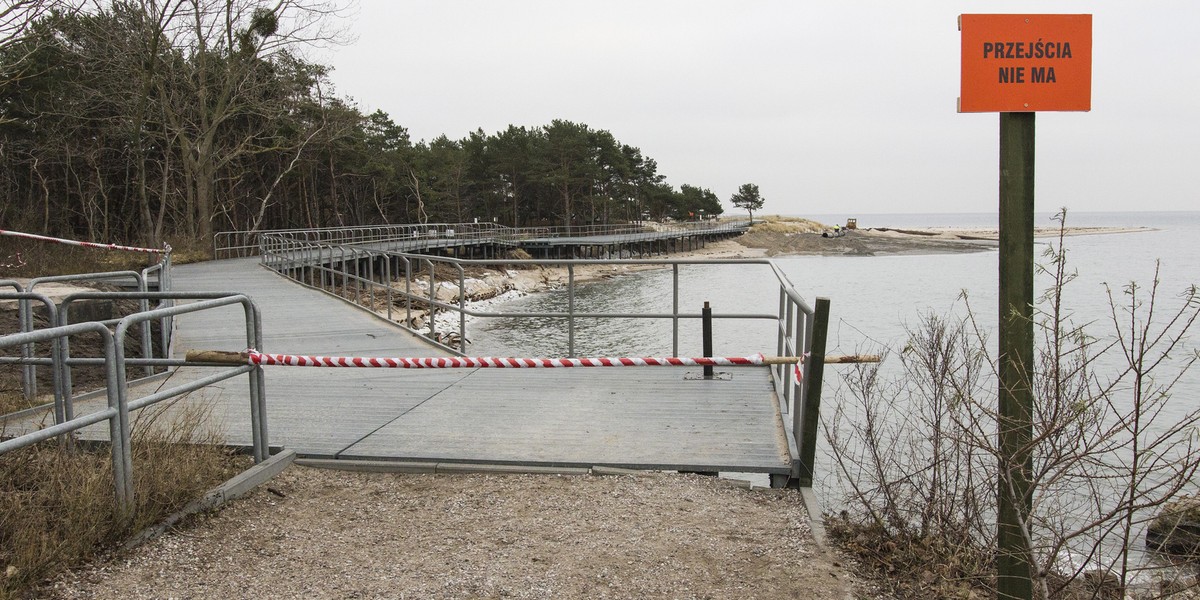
pixel 874 300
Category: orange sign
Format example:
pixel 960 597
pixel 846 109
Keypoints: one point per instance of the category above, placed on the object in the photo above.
pixel 1026 63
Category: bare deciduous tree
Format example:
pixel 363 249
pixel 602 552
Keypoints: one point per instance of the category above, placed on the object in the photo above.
pixel 220 102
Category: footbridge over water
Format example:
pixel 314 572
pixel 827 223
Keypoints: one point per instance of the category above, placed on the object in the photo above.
pixel 754 419
pixel 487 240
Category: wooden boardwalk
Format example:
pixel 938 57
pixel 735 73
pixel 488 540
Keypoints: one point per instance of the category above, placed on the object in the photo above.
pixel 646 418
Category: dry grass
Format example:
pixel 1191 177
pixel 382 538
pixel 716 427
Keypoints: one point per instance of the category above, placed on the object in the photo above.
pixel 189 251
pixel 44 259
pixel 777 224
pixel 57 502
pixel 58 507
pixel 911 566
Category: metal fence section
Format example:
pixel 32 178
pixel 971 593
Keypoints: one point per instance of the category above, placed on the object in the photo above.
pixel 402 286
pixel 115 363
pixel 141 279
pixel 238 244
pixel 27 324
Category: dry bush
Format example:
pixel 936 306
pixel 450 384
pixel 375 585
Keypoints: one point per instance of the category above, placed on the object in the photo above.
pixel 57 504
pixel 1110 444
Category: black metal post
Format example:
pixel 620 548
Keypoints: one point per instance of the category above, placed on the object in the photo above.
pixel 706 333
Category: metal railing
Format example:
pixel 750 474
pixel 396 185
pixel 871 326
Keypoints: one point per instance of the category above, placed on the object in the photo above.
pixel 389 283
pixel 666 229
pixel 237 244
pixel 119 405
pixel 139 278
pixel 415 237
pixel 25 316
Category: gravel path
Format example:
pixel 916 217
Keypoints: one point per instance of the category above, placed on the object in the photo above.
pixel 312 533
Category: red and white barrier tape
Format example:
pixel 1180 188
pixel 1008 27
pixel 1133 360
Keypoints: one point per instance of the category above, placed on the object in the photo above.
pixel 452 362
pixel 455 362
pixel 165 249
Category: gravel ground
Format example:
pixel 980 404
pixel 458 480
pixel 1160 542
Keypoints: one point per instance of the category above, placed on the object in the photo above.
pixel 312 533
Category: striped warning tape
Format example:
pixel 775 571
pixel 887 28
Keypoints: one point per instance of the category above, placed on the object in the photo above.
pixel 255 357
pixel 452 362
pixel 32 236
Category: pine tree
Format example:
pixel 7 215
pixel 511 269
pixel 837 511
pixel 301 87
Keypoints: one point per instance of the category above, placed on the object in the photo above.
pixel 747 197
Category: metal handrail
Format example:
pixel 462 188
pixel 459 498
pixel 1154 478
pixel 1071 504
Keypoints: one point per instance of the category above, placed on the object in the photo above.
pixel 238 244
pixel 23 299
pixel 117 386
pixel 121 480
pixel 337 268
pixel 26 321
pixel 353 272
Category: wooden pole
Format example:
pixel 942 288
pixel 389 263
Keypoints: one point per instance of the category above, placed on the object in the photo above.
pixel 1015 352
pixel 814 371
pixel 223 357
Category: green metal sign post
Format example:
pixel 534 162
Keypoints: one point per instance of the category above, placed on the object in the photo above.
pixel 1015 353
pixel 1004 70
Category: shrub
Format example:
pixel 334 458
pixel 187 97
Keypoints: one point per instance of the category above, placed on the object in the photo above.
pixel 919 453
pixel 58 504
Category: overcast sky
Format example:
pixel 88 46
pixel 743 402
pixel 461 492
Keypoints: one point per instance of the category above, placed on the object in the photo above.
pixel 830 107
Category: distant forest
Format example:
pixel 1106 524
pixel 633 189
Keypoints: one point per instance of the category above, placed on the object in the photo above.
pixel 143 120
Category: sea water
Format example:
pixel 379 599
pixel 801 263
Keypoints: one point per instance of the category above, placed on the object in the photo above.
pixel 875 300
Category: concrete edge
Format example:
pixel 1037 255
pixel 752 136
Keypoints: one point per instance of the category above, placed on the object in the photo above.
pixel 813 507
pixel 367 466
pixel 238 486
pixel 416 467
pixel 514 469
pixel 602 470
pixel 446 468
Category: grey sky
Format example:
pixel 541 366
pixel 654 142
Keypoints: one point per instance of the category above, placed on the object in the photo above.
pixel 830 107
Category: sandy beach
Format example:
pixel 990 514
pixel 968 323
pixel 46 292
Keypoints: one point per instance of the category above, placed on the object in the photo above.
pixel 800 237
